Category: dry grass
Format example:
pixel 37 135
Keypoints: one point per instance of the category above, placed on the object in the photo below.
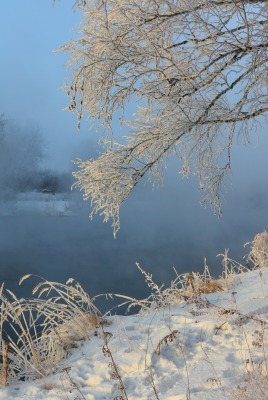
pixel 42 330
pixel 197 284
pixel 49 386
pixel 4 365
pixel 187 286
pixel 258 255
pixel 253 387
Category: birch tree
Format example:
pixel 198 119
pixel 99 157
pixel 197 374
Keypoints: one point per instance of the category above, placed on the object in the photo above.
pixel 198 71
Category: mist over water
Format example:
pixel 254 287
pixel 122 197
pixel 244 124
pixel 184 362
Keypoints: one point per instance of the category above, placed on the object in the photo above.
pixel 162 229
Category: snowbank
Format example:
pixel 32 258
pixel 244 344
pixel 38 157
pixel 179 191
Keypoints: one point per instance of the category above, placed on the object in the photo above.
pixel 207 347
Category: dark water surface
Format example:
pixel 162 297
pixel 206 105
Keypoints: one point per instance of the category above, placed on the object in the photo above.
pixel 159 230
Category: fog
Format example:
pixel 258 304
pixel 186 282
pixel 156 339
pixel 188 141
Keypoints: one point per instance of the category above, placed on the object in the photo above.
pixel 165 230
pixel 161 229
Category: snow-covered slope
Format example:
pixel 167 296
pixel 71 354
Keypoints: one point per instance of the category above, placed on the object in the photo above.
pixel 205 348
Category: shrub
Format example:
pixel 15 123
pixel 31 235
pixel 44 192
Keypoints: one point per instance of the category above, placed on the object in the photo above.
pixel 259 250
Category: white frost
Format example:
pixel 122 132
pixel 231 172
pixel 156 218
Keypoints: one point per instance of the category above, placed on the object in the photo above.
pixel 211 349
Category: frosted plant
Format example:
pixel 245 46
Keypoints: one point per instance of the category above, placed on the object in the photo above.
pixel 197 69
pixel 40 331
pixel 185 287
pixel 259 250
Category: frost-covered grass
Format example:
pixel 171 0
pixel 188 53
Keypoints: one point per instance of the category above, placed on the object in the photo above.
pixel 201 338
pixel 37 333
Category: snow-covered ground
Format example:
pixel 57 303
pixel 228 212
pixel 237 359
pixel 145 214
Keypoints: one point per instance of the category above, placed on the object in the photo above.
pixel 36 203
pixel 208 347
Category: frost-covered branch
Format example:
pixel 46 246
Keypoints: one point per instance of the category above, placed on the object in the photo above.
pixel 199 70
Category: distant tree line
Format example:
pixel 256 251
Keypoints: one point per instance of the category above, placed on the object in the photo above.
pixel 54 182
pixel 22 152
